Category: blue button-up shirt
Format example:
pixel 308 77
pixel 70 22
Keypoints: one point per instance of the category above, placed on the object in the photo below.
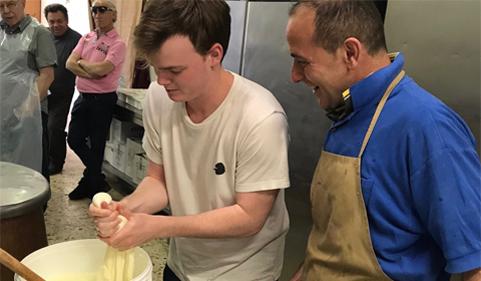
pixel 420 178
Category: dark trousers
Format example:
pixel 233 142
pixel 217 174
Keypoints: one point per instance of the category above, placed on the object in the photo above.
pixel 58 108
pixel 169 275
pixel 88 130
pixel 45 146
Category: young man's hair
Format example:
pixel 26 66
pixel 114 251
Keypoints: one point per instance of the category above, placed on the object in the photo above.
pixel 337 20
pixel 205 22
pixel 53 8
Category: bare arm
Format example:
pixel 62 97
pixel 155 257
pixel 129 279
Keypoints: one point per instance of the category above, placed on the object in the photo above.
pixel 150 196
pixel 76 69
pixel 473 275
pixel 28 106
pixel 245 218
pixel 97 68
pixel 44 80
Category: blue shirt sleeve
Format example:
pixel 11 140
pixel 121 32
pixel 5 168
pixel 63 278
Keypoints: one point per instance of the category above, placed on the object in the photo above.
pixel 446 182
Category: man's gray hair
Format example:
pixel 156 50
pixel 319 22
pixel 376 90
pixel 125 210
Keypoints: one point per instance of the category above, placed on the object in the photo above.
pixel 110 3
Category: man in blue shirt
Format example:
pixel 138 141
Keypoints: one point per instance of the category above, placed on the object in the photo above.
pixel 396 193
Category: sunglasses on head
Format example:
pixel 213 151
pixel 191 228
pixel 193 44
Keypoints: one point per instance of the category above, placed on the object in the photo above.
pixel 100 9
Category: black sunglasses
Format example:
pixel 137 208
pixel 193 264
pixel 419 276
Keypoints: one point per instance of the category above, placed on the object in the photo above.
pixel 100 9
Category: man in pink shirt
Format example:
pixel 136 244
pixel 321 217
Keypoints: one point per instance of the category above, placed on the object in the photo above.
pixel 97 61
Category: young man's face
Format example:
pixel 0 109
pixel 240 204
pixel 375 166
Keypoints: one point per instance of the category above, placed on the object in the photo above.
pixel 180 69
pixel 322 71
pixel 12 11
pixel 57 23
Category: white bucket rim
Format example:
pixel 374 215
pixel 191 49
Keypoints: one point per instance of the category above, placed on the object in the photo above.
pixel 81 243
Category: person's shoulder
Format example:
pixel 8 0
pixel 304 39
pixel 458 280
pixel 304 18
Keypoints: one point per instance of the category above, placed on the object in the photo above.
pixel 423 102
pixel 251 89
pixel 412 101
pixel 119 42
pixel 42 30
pixel 156 95
pixel 75 34
pixel 254 95
pixel 114 34
pixel 428 115
pixel 44 37
pixel 157 103
pixel 249 85
pixel 90 34
pixel 252 103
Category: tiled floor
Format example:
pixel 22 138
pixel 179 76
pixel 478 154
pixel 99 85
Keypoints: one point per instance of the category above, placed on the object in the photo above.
pixel 68 220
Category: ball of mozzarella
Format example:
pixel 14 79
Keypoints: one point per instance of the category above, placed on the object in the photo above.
pixel 105 197
pixel 101 197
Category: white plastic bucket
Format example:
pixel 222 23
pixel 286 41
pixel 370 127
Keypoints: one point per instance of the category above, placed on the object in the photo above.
pixel 80 260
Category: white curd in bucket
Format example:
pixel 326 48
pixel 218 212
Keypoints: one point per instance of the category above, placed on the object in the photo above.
pixel 74 277
pixel 80 260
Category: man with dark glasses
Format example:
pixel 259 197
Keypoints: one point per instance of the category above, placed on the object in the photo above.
pixel 101 9
pixel 97 61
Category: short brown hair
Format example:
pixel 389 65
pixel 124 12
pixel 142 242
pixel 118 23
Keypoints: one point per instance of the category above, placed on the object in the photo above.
pixel 205 22
pixel 337 20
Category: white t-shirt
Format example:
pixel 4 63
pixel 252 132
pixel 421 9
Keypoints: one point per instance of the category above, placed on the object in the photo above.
pixel 240 147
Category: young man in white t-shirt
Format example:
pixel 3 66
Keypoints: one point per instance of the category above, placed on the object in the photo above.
pixel 217 149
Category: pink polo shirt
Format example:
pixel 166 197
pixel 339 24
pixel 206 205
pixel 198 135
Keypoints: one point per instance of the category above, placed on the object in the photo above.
pixel 108 46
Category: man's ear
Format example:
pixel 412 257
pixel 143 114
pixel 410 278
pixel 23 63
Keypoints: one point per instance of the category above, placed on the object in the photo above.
pixel 352 52
pixel 215 54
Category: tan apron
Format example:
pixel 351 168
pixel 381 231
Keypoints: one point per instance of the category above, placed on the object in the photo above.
pixel 339 246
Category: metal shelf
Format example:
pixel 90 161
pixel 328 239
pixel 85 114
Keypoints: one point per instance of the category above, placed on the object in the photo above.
pixel 128 186
pixel 123 183
pixel 126 112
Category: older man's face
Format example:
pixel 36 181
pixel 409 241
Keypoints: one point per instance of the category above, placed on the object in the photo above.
pixel 12 11
pixel 319 69
pixel 104 14
pixel 57 23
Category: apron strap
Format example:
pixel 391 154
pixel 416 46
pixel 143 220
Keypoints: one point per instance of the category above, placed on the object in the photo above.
pixel 379 109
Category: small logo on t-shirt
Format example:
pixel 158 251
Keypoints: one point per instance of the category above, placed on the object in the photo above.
pixel 102 47
pixel 219 168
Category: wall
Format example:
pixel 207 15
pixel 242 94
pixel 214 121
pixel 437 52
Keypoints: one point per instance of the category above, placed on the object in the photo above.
pixel 32 7
pixel 441 43
pixel 78 11
pixel 128 15
pixel 267 61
